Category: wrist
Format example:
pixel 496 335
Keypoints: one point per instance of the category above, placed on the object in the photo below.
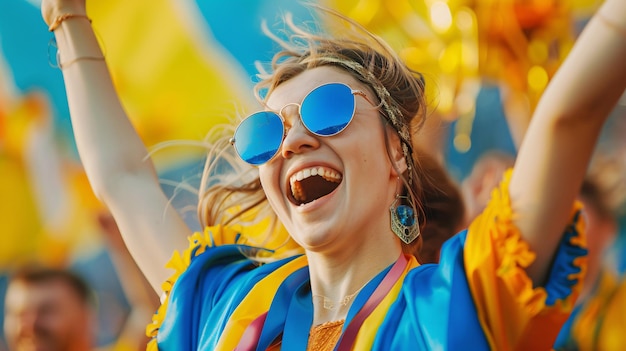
pixel 613 10
pixel 610 15
pixel 65 17
pixel 52 13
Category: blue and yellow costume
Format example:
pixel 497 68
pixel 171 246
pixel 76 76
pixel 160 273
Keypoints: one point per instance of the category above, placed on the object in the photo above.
pixel 477 298
pixel 599 321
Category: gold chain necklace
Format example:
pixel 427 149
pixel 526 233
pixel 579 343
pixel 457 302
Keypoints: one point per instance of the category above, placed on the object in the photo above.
pixel 329 304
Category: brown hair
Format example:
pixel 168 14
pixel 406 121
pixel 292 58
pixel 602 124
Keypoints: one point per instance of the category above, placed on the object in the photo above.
pixel 400 93
pixel 41 275
pixel 443 207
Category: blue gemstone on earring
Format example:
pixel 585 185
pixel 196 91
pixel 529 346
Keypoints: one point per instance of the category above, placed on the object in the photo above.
pixel 405 215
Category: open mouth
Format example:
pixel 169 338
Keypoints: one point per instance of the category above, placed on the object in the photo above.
pixel 310 184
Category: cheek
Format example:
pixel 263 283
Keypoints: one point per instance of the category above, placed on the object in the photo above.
pixel 266 177
pixel 372 153
pixel 269 178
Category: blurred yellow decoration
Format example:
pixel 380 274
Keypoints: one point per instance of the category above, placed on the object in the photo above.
pixel 462 142
pixel 436 37
pixel 538 51
pixel 175 82
pixel 523 42
pixel 20 226
pixel 45 215
pixel 440 16
pixel 537 78
pixel 20 222
pixel 519 43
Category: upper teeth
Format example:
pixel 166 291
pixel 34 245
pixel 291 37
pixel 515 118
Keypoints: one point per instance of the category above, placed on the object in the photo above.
pixel 326 173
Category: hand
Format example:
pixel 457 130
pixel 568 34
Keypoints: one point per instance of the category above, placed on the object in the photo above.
pixel 51 9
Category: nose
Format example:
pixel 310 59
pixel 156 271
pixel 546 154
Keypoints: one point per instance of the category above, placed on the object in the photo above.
pixel 298 139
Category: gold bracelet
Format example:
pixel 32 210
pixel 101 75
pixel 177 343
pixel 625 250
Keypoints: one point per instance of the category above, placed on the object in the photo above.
pixel 57 21
pixel 621 30
pixel 82 58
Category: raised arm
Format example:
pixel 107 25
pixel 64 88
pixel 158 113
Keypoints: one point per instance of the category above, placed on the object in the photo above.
pixel 554 155
pixel 114 157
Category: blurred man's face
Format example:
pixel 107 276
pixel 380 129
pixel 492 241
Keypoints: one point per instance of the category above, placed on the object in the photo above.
pixel 45 316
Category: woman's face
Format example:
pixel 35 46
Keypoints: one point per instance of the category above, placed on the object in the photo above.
pixel 350 203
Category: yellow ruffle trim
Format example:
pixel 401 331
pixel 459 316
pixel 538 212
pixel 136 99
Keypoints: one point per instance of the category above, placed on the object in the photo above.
pixel 217 236
pixel 513 313
pixel 198 242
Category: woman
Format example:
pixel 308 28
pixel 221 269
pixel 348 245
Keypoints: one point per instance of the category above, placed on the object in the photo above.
pixel 348 193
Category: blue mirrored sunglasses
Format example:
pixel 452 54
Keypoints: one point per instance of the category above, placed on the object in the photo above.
pixel 325 111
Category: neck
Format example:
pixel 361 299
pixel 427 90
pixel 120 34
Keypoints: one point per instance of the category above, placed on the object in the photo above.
pixel 337 279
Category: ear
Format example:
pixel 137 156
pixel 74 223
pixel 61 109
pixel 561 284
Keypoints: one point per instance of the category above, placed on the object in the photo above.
pixel 396 153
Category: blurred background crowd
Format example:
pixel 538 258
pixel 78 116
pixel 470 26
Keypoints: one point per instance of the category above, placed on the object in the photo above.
pixel 183 66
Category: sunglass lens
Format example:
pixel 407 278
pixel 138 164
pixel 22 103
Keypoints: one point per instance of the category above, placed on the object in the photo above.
pixel 328 109
pixel 258 137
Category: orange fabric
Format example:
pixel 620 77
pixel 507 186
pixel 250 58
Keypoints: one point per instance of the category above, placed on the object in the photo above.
pixel 324 337
pixel 601 323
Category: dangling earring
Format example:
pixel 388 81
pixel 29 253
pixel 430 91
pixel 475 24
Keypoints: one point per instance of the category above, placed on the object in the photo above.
pixel 404 222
